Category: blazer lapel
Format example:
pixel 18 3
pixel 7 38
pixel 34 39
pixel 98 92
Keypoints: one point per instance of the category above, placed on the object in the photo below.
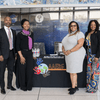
pixel 13 36
pixel 5 34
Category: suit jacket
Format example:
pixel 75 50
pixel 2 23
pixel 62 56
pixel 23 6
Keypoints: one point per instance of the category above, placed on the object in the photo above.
pixel 95 43
pixel 4 43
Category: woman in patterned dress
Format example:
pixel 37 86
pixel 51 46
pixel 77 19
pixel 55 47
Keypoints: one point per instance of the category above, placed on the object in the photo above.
pixel 92 45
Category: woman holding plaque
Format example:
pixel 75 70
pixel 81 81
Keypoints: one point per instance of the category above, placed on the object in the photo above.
pixel 72 47
pixel 24 45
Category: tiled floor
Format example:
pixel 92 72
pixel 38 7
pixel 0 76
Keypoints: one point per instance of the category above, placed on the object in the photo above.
pixel 48 94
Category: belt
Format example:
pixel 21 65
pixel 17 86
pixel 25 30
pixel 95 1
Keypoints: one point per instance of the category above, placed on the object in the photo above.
pixel 26 50
pixel 11 50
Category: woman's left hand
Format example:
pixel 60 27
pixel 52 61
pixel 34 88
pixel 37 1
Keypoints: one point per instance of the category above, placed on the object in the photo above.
pixel 68 52
pixel 95 60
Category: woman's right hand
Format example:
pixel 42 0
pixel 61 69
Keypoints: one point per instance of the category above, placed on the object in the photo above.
pixel 22 60
pixel 64 52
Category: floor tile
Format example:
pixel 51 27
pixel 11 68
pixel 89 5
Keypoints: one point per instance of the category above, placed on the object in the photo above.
pixel 54 91
pixel 84 97
pixel 55 98
pixel 20 97
pixel 34 91
pixel 2 96
pixel 47 93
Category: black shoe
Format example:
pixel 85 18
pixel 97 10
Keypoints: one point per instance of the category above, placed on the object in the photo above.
pixel 3 91
pixel 75 88
pixel 91 91
pixel 72 91
pixel 69 89
pixel 11 88
pixel 23 89
pixel 29 89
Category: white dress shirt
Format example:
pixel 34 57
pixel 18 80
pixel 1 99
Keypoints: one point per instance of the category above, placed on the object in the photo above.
pixel 6 29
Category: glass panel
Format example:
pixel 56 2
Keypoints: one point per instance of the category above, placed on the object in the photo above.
pixel 47 16
pixel 32 17
pixel 66 8
pixel 51 16
pixel 25 10
pixel 94 7
pixel 81 7
pixel 3 15
pixel 54 16
pixel 50 9
pixel 16 10
pixel 35 9
pixel 25 16
pixel 95 15
pixel 67 17
pixel 81 16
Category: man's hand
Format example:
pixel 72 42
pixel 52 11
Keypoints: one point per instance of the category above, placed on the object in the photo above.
pixel 15 57
pixel 1 58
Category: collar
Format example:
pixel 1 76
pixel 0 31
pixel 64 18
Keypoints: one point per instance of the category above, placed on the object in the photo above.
pixel 26 32
pixel 73 32
pixel 5 27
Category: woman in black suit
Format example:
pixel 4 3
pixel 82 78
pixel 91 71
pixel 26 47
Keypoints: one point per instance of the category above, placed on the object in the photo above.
pixel 24 45
pixel 92 45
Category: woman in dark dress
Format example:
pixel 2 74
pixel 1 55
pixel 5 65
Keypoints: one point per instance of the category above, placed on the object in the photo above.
pixel 24 45
pixel 92 45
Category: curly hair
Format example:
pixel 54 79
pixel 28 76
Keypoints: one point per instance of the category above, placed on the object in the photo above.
pixel 97 26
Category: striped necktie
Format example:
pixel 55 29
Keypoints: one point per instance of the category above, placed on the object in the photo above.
pixel 10 39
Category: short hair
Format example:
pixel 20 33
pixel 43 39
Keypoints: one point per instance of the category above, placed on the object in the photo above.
pixel 22 22
pixel 6 17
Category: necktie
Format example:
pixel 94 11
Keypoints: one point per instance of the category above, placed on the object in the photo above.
pixel 10 39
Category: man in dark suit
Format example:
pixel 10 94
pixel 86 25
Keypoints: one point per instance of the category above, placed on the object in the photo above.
pixel 7 53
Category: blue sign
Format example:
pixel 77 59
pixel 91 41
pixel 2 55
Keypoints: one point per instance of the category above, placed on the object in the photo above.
pixel 13 18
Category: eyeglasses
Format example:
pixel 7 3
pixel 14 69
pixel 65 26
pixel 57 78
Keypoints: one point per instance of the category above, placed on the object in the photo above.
pixel 73 25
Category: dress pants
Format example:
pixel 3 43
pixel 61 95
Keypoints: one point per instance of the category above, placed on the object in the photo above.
pixel 26 71
pixel 9 63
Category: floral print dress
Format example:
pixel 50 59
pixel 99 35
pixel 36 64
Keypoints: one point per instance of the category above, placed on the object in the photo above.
pixel 92 69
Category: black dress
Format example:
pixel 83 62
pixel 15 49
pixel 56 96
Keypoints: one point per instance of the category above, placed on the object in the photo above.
pixel 24 72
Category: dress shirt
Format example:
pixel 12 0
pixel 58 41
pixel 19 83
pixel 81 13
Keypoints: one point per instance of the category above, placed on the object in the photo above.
pixel 6 29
